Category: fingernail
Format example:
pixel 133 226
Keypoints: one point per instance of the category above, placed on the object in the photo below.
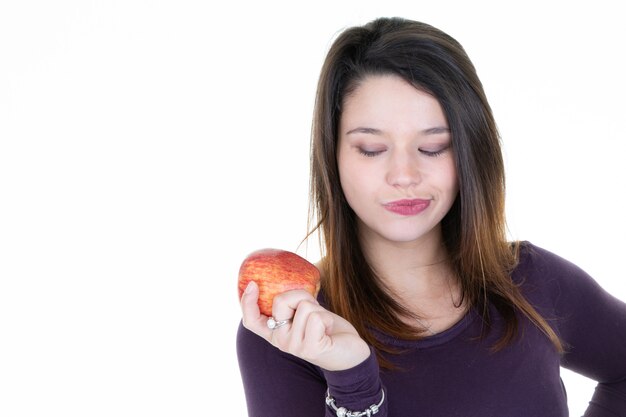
pixel 249 287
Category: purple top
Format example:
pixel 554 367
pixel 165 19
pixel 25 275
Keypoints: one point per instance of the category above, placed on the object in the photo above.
pixel 453 373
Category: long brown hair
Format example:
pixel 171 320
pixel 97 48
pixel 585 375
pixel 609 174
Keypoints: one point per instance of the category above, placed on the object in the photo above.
pixel 474 230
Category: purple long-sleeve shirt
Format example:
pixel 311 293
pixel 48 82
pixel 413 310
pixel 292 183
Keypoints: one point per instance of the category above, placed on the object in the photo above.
pixel 454 373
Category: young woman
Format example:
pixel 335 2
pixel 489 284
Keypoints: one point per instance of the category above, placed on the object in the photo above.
pixel 425 308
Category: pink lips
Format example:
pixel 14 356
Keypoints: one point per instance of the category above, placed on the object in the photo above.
pixel 407 207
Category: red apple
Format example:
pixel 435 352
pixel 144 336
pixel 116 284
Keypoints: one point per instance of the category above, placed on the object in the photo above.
pixel 276 271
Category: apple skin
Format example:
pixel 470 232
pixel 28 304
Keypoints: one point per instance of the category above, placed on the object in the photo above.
pixel 276 271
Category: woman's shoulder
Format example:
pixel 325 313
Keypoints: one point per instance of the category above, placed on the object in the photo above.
pixel 541 273
pixel 537 260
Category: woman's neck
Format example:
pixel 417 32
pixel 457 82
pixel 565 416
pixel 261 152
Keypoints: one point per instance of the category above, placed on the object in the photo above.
pixel 419 273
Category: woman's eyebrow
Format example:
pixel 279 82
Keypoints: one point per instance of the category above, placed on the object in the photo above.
pixel 368 130
pixel 437 130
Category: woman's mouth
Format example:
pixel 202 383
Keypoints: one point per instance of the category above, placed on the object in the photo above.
pixel 407 207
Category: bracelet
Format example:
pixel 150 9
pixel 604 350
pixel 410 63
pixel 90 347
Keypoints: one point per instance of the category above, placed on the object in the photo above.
pixel 343 412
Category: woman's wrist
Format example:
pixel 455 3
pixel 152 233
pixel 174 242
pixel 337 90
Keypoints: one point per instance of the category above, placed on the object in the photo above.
pixel 344 412
pixel 351 358
pixel 357 388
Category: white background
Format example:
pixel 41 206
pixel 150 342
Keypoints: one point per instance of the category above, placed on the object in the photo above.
pixel 148 146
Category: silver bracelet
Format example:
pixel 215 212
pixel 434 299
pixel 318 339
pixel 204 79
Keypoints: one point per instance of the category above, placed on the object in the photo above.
pixel 343 412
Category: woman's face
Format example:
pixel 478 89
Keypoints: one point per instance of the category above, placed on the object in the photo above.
pixel 395 160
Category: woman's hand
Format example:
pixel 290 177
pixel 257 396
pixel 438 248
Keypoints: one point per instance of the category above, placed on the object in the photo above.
pixel 313 333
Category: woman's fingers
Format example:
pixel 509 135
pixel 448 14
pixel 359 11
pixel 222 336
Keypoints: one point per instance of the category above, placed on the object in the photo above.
pixel 291 306
pixel 253 320
pixel 310 331
pixel 284 307
pixel 285 304
pixel 303 310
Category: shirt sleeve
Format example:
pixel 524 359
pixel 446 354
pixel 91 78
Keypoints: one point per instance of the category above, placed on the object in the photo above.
pixel 279 384
pixel 358 388
pixel 592 326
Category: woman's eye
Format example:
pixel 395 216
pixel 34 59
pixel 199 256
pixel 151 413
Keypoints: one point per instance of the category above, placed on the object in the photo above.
pixel 434 153
pixel 369 153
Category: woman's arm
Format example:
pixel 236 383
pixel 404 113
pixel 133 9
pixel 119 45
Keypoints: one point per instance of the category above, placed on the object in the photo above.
pixel 287 371
pixel 277 383
pixel 592 326
pixel 594 332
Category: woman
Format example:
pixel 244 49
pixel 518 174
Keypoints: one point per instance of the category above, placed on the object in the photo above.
pixel 425 309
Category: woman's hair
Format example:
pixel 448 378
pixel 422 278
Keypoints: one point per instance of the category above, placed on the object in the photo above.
pixel 474 230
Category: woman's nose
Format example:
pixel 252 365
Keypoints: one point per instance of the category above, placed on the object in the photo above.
pixel 403 170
